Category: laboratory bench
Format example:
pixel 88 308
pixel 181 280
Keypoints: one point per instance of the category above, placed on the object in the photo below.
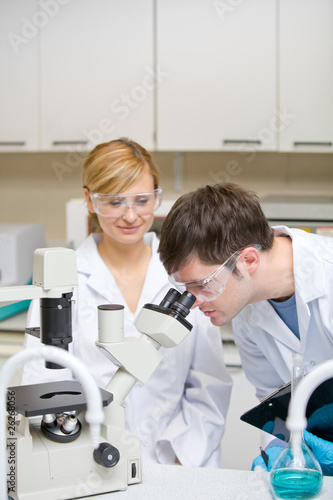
pixel 174 482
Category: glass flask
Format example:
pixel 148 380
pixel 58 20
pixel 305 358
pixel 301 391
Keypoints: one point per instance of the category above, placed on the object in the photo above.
pixel 296 474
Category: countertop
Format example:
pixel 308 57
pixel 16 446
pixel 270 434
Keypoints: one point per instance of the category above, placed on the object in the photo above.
pixel 173 482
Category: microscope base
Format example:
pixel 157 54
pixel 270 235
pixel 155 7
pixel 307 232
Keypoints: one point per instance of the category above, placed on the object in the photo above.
pixel 47 469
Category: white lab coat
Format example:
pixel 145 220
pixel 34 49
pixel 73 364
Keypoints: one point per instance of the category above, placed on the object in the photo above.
pixel 265 342
pixel 180 412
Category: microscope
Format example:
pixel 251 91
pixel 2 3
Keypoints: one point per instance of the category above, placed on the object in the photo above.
pixel 54 457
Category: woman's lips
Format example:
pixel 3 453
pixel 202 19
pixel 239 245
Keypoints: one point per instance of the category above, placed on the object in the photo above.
pixel 129 229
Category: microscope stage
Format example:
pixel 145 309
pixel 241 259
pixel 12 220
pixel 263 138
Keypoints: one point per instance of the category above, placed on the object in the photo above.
pixel 51 397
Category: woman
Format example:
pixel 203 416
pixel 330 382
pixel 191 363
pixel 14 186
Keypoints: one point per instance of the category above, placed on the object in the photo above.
pixel 180 412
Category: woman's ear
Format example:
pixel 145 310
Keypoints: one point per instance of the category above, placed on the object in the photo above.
pixel 251 259
pixel 88 200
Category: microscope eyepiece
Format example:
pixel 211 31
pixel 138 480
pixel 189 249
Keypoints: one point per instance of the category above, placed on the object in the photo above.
pixel 174 304
pixel 184 303
pixel 170 298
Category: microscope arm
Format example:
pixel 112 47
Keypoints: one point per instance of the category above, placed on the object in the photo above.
pixel 54 273
pixel 137 358
pixel 11 294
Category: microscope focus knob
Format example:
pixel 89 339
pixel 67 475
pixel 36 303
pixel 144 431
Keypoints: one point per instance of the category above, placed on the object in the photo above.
pixel 106 455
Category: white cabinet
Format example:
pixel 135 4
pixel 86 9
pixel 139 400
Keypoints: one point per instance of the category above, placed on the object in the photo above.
pixel 18 82
pixel 220 88
pixel 306 75
pixel 97 78
pixel 208 76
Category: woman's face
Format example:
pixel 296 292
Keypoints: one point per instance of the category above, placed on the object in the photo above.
pixel 129 227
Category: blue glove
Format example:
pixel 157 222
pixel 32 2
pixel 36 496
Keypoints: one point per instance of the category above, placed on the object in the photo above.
pixel 320 422
pixel 322 450
pixel 272 453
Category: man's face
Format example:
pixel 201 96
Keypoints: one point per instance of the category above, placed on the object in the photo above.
pixel 225 306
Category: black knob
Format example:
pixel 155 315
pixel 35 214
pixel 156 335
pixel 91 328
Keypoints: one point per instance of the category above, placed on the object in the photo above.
pixel 106 455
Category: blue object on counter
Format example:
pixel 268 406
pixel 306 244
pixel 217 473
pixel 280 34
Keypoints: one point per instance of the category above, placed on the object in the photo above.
pixel 15 308
pixel 12 309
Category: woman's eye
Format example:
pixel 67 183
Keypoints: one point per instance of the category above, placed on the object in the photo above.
pixel 142 201
pixel 116 203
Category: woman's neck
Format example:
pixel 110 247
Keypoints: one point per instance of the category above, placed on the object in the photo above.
pixel 122 256
pixel 128 265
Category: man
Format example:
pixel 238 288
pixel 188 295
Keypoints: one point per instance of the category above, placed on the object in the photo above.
pixel 276 285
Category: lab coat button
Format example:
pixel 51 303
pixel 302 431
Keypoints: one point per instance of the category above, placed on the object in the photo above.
pixel 312 363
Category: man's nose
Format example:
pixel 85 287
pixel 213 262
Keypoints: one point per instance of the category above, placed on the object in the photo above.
pixel 197 303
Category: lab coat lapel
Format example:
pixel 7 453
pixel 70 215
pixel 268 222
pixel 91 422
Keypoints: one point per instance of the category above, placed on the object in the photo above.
pixel 308 275
pixel 309 280
pixel 156 277
pixel 103 283
pixel 264 318
pixel 303 316
pixel 99 278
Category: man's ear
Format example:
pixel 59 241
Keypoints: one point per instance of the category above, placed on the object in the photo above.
pixel 88 200
pixel 251 259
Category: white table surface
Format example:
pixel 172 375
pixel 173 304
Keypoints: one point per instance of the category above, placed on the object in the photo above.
pixel 173 482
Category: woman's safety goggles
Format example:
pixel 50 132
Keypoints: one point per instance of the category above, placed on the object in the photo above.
pixel 116 205
pixel 209 288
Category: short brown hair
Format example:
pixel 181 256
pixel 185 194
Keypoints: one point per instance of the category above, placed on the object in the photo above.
pixel 212 223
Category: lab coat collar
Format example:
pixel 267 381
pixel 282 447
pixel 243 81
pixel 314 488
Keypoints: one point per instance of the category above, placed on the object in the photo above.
pixel 261 316
pixel 308 273
pixel 102 281
pixel 156 281
pixel 90 263
pixel 309 285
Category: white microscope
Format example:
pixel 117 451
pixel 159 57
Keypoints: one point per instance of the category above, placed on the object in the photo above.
pixel 55 458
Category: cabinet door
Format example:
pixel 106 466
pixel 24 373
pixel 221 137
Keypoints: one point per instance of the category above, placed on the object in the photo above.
pixel 97 77
pixel 306 75
pixel 19 27
pixel 220 88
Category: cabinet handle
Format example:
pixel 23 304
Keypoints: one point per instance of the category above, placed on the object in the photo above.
pixel 241 141
pixel 12 143
pixel 312 143
pixel 69 143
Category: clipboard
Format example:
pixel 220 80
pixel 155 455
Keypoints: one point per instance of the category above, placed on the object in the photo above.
pixel 271 413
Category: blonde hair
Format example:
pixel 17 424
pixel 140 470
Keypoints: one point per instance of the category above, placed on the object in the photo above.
pixel 113 167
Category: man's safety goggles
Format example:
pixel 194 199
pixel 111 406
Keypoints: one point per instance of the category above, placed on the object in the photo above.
pixel 209 288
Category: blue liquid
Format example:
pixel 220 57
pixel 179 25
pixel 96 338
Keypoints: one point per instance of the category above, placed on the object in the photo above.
pixel 296 484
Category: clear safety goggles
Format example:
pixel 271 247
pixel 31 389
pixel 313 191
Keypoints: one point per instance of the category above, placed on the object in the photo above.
pixel 209 288
pixel 116 205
